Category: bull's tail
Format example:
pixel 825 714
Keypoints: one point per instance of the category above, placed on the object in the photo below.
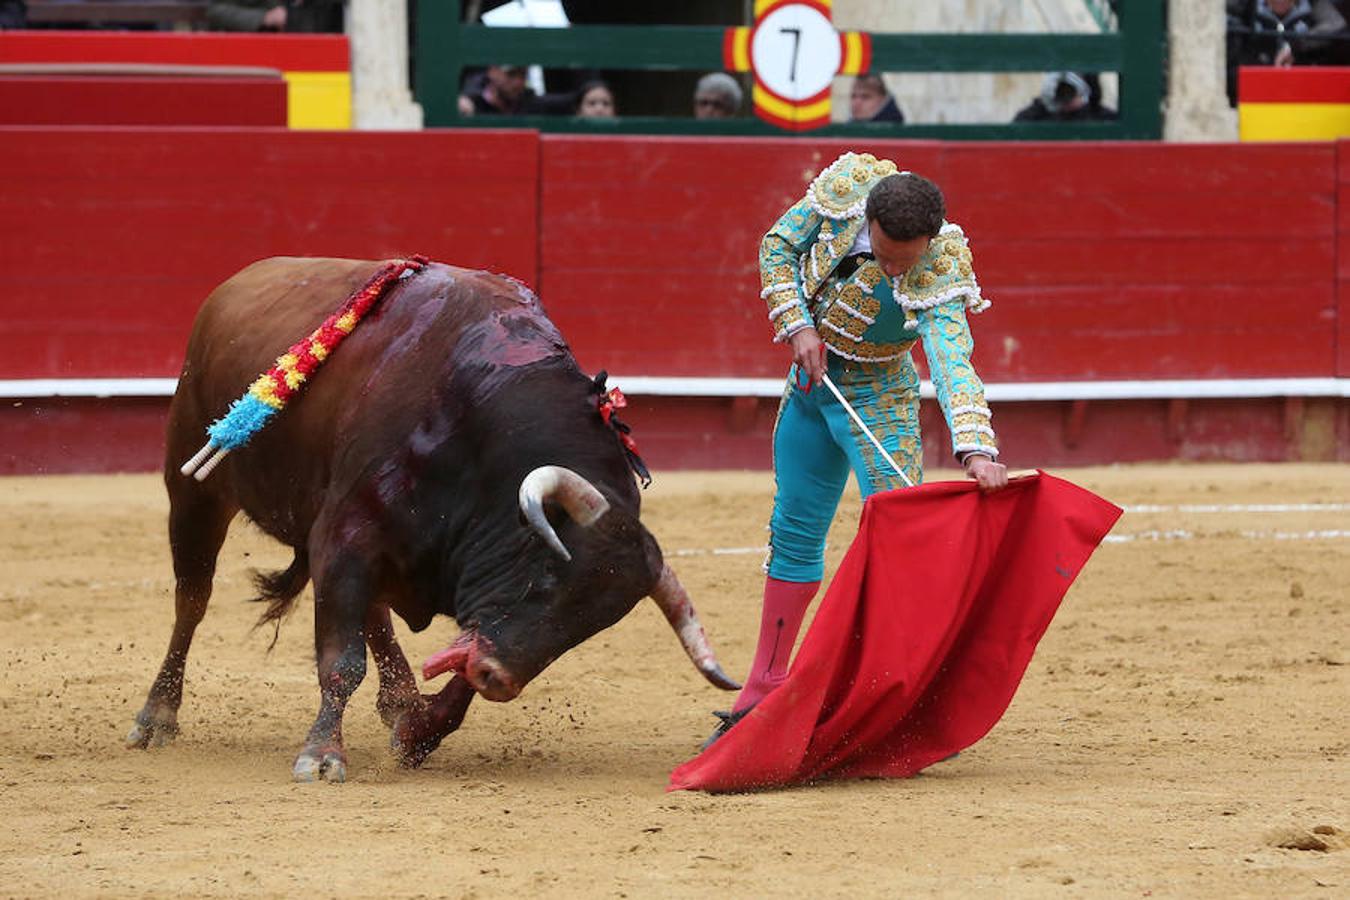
pixel 280 589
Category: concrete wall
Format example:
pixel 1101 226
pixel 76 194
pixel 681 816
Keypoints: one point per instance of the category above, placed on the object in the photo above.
pixel 961 97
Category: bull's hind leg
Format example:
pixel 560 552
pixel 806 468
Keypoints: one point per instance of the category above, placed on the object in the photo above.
pixel 198 522
pixel 342 592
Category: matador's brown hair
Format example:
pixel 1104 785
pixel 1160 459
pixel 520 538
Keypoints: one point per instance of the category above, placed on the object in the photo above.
pixel 907 206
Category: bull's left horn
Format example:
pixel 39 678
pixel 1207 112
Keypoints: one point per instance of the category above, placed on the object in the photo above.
pixel 581 500
pixel 674 601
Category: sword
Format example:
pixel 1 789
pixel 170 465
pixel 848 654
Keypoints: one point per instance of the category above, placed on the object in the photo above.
pixel 848 408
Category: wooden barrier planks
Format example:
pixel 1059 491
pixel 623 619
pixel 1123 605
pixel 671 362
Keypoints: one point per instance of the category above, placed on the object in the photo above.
pixel 115 236
pixel 668 230
pixel 130 100
pixel 1342 320
pixel 1151 261
pixel 1102 261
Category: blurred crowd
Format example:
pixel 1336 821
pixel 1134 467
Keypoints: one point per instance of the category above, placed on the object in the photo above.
pixel 1286 33
pixel 1259 33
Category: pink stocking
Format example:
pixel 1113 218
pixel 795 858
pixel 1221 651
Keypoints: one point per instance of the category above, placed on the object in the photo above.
pixel 785 604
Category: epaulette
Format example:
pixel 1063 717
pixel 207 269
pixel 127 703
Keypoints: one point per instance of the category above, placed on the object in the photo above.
pixel 945 272
pixel 840 192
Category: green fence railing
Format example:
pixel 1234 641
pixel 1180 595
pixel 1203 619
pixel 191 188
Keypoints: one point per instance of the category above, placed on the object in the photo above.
pixel 446 46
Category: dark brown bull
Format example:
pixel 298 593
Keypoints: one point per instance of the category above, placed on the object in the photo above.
pixel 448 458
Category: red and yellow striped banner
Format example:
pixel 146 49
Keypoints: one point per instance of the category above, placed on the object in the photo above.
pixel 1304 103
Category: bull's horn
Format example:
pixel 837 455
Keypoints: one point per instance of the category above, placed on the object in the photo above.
pixel 577 496
pixel 674 601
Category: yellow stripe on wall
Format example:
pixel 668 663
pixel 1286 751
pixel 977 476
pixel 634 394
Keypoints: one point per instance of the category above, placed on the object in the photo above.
pixel 740 50
pixel 790 111
pixel 319 100
pixel 852 53
pixel 1293 121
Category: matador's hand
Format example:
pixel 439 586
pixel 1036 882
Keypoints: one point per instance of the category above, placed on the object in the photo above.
pixel 808 352
pixel 988 474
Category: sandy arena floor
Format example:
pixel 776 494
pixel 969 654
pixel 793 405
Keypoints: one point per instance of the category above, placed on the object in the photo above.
pixel 1186 715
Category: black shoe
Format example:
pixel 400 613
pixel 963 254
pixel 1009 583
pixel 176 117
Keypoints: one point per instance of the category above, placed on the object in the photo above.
pixel 729 720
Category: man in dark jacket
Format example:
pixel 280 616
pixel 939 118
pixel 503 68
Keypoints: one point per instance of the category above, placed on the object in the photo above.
pixel 13 14
pixel 276 15
pixel 1067 97
pixel 870 101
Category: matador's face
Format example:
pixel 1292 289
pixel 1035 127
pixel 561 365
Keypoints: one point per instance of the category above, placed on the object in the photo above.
pixel 896 257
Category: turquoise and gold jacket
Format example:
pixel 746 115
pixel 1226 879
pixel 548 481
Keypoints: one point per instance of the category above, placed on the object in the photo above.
pixel 867 317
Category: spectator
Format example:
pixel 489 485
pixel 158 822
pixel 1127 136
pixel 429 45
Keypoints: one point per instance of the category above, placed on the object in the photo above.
pixel 1067 97
pixel 717 96
pixel 500 91
pixel 594 100
pixel 870 101
pixel 13 14
pixel 303 16
pixel 1283 33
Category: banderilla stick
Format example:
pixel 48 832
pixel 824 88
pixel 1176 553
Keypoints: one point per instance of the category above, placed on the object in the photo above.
pixel 848 408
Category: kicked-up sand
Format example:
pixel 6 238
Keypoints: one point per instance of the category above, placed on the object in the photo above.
pixel 1181 732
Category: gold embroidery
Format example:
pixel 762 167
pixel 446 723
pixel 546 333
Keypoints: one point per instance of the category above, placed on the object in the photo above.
pixel 844 185
pixel 964 268
pixel 869 275
pixel 942 266
pixel 781 274
pixel 867 352
pixel 969 419
pixel 925 280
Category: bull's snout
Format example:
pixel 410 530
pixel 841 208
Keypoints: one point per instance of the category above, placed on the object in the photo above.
pixel 490 679
pixel 471 657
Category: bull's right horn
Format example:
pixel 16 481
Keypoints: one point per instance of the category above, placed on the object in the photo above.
pixel 674 601
pixel 577 496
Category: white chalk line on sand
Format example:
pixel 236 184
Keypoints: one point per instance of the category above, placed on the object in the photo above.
pixel 1240 507
pixel 1173 534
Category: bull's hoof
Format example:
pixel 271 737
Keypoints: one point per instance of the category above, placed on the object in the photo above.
pixel 153 728
pixel 320 765
pixel 410 740
pixel 393 705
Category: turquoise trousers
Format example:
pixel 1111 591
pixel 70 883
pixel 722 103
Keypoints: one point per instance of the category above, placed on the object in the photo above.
pixel 816 444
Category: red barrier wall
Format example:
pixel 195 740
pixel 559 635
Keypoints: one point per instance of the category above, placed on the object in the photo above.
pixel 1104 262
pixel 1343 258
pixel 127 100
pixel 110 239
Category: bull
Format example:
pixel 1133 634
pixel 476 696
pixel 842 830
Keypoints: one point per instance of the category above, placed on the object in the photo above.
pixel 449 458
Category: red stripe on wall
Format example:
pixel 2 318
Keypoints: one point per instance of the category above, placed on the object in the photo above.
pixel 95 100
pixel 1102 260
pixel 1342 311
pixel 288 52
pixel 115 236
pixel 1295 84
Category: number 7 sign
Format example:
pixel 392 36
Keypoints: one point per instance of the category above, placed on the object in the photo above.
pixel 795 52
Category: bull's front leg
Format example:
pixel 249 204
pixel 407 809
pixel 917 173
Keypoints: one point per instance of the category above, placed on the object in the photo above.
pixel 398 689
pixel 421 730
pixel 342 592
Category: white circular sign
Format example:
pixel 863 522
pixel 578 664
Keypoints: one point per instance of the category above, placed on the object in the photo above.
pixel 795 51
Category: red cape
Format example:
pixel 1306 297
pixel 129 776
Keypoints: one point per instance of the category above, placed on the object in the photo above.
pixel 922 638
